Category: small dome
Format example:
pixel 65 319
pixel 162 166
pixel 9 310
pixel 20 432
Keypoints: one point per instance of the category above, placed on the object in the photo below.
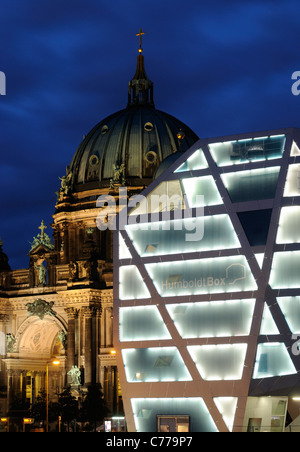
pixel 166 163
pixel 137 138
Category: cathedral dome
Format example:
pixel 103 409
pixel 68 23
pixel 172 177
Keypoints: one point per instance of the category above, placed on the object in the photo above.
pixel 128 146
pixel 139 137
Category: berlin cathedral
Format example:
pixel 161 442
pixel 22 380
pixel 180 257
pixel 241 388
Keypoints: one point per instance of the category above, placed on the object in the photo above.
pixel 62 305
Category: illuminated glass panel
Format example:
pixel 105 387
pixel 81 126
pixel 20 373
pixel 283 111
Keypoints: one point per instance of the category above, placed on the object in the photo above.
pixel 251 185
pixel 183 236
pixel 142 323
pixel 285 271
pixel 154 364
pixel 145 412
pixel 124 252
pixel 222 274
pixel 212 318
pixel 295 149
pixel 201 191
pixel 292 184
pixel 131 284
pixel 219 362
pixel 166 196
pixel 268 326
pixel 260 258
pixel 195 162
pixel 247 150
pixel 227 408
pixel 272 360
pixel 290 307
pixel 288 228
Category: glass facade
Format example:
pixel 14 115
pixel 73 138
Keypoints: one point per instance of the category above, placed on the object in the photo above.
pixel 251 185
pixel 202 276
pixel 172 237
pixel 208 291
pixel 223 318
pixel 247 150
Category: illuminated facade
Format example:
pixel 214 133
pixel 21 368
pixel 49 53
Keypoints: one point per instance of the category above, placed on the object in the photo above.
pixel 207 292
pixel 74 275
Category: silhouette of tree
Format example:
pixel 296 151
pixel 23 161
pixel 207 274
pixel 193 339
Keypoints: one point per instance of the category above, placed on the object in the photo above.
pixel 67 406
pixel 93 408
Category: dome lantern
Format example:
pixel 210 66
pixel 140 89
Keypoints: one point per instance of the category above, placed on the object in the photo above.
pixel 140 88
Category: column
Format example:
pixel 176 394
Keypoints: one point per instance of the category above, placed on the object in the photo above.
pixel 88 345
pixel 91 318
pixel 72 315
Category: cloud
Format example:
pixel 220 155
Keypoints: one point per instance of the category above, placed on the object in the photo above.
pixel 220 67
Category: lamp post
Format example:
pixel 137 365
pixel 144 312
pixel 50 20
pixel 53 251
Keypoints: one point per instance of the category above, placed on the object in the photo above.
pixel 55 362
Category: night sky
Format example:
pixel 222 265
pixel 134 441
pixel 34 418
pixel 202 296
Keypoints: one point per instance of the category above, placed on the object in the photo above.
pixel 221 67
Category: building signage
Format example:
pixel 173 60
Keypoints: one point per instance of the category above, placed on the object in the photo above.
pixel 202 276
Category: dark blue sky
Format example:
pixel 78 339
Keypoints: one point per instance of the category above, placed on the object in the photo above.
pixel 222 67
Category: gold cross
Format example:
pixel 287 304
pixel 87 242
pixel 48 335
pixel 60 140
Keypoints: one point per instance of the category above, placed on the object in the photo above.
pixel 140 36
pixel 42 228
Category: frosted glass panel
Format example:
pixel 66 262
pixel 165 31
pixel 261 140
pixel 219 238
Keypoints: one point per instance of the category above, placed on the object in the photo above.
pixel 146 409
pixel 251 185
pixel 227 407
pixel 183 236
pixel 268 325
pixel 195 162
pixel 138 323
pixel 295 149
pixel 260 258
pixel 219 274
pixel 154 364
pixel 272 360
pixel 167 196
pixel 290 307
pixel 288 229
pixel 212 319
pixel 285 271
pixel 219 362
pixel 201 191
pixel 131 285
pixel 292 184
pixel 247 150
pixel 124 252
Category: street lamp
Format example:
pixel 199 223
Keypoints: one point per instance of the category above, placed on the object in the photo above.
pixel 55 362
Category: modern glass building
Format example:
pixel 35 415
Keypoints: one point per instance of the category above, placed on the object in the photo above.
pixel 207 289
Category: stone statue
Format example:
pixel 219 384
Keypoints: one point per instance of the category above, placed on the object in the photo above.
pixel 10 340
pixel 75 376
pixel 73 270
pixel 63 337
pixel 65 183
pixel 118 175
pixel 42 272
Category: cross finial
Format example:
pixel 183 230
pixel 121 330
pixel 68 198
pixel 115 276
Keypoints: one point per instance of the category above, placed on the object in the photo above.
pixel 140 34
pixel 42 228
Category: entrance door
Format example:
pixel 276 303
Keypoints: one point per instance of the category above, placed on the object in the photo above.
pixel 173 424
